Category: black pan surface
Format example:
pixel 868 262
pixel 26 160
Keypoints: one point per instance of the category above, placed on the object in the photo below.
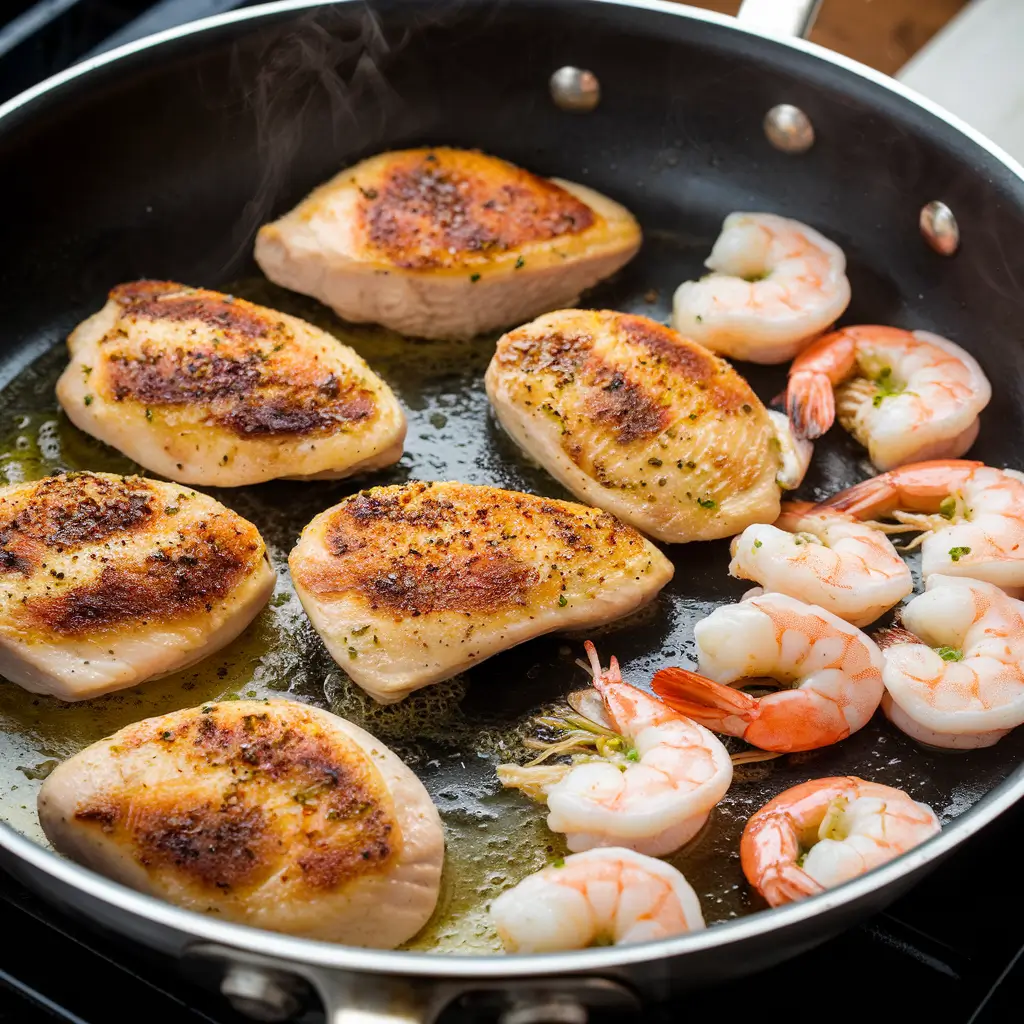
pixel 166 167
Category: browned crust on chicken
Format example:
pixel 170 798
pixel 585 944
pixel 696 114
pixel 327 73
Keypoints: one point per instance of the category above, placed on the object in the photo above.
pixel 174 581
pixel 726 390
pixel 70 511
pixel 418 549
pixel 628 396
pixel 238 839
pixel 432 207
pixel 101 552
pixel 239 360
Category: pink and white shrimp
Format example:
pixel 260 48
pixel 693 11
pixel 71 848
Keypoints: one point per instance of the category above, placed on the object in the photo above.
pixel 775 284
pixel 971 516
pixel 831 674
pixel 824 557
pixel 642 776
pixel 601 897
pixel 954 674
pixel 906 396
pixel 824 832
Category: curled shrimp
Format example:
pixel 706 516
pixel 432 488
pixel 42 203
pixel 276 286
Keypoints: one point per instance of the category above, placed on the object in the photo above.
pixel 775 285
pixel 610 896
pixel 824 832
pixel 824 557
pixel 831 671
pixel 971 516
pixel 906 396
pixel 643 777
pixel 954 675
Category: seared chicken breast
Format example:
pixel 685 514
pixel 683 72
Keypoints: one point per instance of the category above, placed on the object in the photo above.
pixel 266 813
pixel 634 418
pixel 410 585
pixel 208 389
pixel 106 581
pixel 446 243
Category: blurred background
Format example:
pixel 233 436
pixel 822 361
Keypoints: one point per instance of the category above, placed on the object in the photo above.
pixel 882 33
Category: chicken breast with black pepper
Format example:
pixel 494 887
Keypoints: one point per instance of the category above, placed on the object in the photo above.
pixel 267 813
pixel 106 581
pixel 410 585
pixel 634 418
pixel 446 243
pixel 208 389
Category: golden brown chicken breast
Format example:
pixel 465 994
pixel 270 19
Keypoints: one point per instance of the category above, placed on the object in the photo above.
pixel 267 813
pixel 106 581
pixel 634 418
pixel 204 388
pixel 410 585
pixel 446 243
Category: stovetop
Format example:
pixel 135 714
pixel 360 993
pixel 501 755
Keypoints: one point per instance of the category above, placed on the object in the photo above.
pixel 950 951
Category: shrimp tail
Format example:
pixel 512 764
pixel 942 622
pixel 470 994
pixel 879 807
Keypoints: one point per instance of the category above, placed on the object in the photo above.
pixel 810 404
pixel 706 702
pixel 787 883
pixel 919 486
pixel 610 675
pixel 891 635
pixel 871 497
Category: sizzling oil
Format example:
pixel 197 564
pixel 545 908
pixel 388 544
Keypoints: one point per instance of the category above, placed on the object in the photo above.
pixel 452 734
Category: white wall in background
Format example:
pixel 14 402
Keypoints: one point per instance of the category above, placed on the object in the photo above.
pixel 975 68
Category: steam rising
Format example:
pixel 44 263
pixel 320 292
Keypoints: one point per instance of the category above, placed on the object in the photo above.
pixel 319 97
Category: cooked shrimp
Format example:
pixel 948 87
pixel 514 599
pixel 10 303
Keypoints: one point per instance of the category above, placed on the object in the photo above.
pixel 971 516
pixel 831 673
pixel 954 675
pixel 600 897
pixel 905 395
pixel 775 284
pixel 824 832
pixel 824 557
pixel 794 452
pixel 643 777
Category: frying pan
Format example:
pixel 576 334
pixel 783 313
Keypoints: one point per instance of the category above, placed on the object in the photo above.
pixel 162 158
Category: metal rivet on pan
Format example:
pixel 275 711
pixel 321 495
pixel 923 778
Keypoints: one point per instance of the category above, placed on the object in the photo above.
pixel 575 90
pixel 788 128
pixel 939 227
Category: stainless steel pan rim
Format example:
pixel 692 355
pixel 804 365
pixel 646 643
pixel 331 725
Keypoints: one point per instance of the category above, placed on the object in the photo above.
pixel 321 954
pixel 324 954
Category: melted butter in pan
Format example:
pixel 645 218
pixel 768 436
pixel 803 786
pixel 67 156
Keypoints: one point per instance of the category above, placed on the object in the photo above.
pixel 452 734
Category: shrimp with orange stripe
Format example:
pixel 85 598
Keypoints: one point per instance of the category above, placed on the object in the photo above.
pixel 906 396
pixel 830 673
pixel 970 516
pixel 641 775
pixel 824 557
pixel 954 671
pixel 775 285
pixel 824 832
pixel 601 897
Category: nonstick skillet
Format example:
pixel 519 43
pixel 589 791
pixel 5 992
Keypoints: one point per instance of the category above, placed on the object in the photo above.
pixel 162 159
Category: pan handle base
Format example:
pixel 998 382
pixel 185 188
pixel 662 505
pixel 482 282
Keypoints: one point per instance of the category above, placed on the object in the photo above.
pixel 358 999
pixel 268 989
pixel 779 17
